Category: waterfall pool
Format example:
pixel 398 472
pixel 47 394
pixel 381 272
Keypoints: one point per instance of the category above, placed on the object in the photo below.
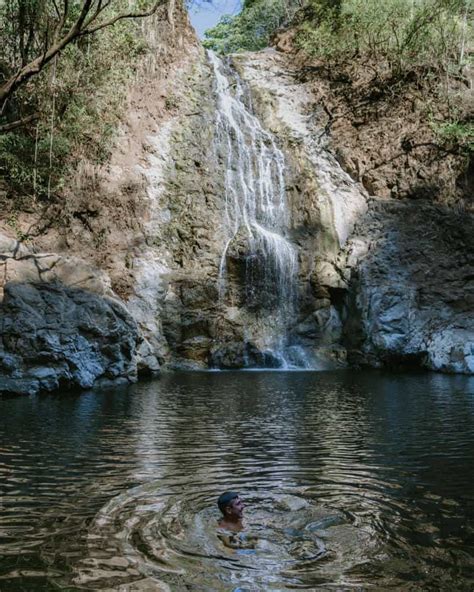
pixel 352 481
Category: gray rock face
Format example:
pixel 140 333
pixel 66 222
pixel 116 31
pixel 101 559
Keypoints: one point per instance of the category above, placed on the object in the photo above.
pixel 52 335
pixel 411 298
pixel 391 282
pixel 60 324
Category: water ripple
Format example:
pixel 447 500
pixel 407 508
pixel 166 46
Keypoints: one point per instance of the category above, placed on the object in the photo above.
pixel 352 481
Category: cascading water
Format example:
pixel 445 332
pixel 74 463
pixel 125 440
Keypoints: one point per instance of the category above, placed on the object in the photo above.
pixel 256 220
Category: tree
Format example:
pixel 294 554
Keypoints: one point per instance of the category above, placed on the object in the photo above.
pixel 42 30
pixel 253 27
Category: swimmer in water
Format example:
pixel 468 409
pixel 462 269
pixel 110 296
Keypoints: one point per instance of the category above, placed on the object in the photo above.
pixel 232 508
pixel 231 525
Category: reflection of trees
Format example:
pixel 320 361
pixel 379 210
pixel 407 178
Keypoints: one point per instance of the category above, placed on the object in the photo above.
pixel 226 428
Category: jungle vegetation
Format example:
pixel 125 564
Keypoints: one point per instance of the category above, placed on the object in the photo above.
pixel 64 69
pixel 65 66
pixel 252 29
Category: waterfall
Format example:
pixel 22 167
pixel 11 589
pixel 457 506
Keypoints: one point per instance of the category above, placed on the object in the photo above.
pixel 256 217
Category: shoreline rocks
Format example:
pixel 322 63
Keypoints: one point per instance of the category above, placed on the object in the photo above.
pixel 53 335
pixel 61 324
pixel 411 295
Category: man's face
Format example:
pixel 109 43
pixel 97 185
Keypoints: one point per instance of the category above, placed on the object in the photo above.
pixel 235 508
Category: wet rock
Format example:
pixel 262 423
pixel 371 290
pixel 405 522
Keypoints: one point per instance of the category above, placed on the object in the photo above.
pixel 53 335
pixel 411 295
pixel 452 350
pixel 18 386
pixel 196 349
pixel 228 357
pixel 325 274
pixel 233 355
pixel 324 326
pixel 290 503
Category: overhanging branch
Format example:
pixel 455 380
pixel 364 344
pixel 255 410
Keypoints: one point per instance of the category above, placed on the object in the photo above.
pixel 8 127
pixel 82 26
pixel 128 15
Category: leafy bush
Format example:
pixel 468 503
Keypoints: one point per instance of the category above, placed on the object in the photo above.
pixel 457 133
pixel 252 28
pixel 401 33
pixel 77 99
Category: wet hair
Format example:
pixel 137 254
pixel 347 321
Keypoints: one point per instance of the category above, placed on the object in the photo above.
pixel 225 499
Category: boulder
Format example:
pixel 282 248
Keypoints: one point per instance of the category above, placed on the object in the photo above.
pixel 53 335
pixel 411 296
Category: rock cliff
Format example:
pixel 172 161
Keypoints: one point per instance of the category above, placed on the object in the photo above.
pixel 396 275
pixel 411 292
pixel 128 281
pixel 60 324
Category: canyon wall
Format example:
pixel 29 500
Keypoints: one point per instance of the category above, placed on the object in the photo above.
pixel 397 274
pixel 128 282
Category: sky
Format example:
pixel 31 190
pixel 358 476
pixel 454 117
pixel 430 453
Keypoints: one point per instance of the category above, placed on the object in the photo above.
pixel 207 15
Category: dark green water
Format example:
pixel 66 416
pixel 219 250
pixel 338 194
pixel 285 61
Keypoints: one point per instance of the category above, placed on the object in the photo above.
pixel 353 481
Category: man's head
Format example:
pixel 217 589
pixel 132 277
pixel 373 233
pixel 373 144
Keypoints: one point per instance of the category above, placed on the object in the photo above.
pixel 231 505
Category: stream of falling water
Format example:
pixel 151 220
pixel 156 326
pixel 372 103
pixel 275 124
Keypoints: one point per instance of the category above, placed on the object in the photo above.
pixel 257 217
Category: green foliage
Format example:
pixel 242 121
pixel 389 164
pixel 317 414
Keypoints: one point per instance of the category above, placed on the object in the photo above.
pixel 401 33
pixel 457 133
pixel 252 28
pixel 78 98
pixel 427 42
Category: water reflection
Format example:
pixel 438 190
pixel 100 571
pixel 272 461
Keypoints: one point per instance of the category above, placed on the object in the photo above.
pixel 118 488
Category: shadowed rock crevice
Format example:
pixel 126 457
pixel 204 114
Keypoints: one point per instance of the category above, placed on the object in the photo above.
pixel 411 295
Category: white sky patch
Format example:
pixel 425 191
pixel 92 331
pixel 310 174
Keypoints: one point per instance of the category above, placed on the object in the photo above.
pixel 207 15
